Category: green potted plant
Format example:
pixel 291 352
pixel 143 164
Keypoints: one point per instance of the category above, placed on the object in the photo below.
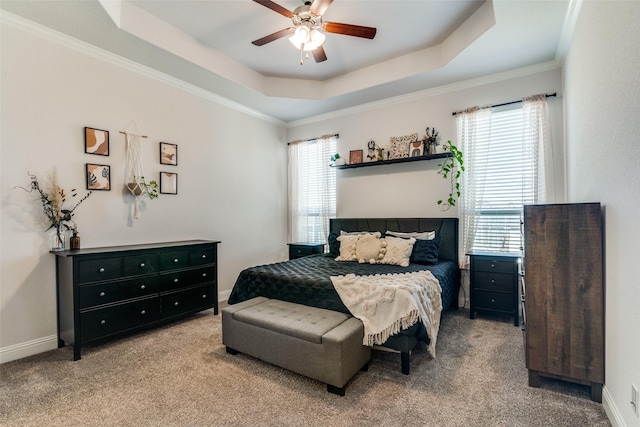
pixel 451 168
pixel 336 160
pixel 139 187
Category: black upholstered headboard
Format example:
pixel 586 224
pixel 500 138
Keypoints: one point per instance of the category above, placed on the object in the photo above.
pixel 447 228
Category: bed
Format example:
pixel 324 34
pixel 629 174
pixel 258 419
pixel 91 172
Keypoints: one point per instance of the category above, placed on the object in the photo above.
pixel 307 280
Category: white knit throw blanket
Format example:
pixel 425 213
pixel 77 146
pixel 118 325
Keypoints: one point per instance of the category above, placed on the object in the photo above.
pixel 389 303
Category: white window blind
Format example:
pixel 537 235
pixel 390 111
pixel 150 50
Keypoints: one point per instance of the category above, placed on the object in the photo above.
pixel 312 189
pixel 504 175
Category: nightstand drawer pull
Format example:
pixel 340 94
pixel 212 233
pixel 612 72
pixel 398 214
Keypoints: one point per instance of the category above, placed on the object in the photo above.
pixel 142 265
pixel 493 265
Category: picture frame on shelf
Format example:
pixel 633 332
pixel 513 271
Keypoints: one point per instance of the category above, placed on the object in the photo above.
pixel 168 183
pixel 98 177
pixel 416 149
pixel 168 154
pixel 96 141
pixel 355 156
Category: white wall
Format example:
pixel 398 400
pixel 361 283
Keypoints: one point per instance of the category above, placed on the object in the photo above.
pixel 231 169
pixel 602 91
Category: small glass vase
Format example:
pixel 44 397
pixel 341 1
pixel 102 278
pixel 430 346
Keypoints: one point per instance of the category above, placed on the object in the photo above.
pixel 58 239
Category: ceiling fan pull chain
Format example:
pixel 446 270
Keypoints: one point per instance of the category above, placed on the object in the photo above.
pixel 301 50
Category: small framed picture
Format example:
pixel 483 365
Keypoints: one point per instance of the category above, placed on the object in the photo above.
pixel 168 183
pixel 98 177
pixel 96 141
pixel 355 156
pixel 416 148
pixel 168 154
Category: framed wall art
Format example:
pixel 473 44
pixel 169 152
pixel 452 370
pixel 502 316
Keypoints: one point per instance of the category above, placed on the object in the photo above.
pixel 168 183
pixel 355 156
pixel 98 177
pixel 96 141
pixel 168 154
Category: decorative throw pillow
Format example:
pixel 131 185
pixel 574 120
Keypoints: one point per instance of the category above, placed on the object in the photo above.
pixel 418 235
pixel 370 248
pixel 398 251
pixel 400 146
pixel 426 251
pixel 347 248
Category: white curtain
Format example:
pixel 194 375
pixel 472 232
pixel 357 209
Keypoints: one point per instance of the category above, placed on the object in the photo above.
pixel 473 126
pixel 311 189
pixel 537 136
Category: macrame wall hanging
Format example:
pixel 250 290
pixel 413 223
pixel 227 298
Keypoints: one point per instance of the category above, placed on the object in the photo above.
pixel 134 172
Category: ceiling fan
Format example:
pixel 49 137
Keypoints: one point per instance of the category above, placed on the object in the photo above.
pixel 306 33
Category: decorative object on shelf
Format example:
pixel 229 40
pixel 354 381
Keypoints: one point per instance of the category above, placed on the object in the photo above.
pixel 134 175
pixel 74 240
pixel 431 141
pixel 96 141
pixel 336 160
pixel 400 146
pixel 416 149
pixel 168 183
pixel 451 168
pixel 371 150
pixel 168 154
pixel 355 156
pixel 52 199
pixel 98 177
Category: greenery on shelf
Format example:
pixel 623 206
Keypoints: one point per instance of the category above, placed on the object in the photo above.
pixel 451 168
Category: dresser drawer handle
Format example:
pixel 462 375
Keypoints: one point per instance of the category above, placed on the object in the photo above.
pixel 204 296
pixel 176 303
pixel 175 260
pixel 204 274
pixel 493 301
pixel 493 265
pixel 143 287
pixel 204 256
pixel 175 280
pixel 102 322
pixel 102 294
pixel 101 270
pixel 143 312
pixel 142 265
pixel 493 281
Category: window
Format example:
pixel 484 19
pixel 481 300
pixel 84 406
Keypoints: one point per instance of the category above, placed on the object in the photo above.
pixel 503 152
pixel 312 189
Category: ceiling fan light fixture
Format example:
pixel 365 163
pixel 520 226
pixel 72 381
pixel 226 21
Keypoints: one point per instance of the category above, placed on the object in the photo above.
pixel 307 40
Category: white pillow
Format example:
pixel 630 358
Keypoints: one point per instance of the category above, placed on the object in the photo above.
pixel 370 248
pixel 348 248
pixel 424 235
pixel 398 251
pixel 354 233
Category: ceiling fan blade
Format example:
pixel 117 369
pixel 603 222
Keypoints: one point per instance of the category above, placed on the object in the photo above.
pixel 275 7
pixel 350 30
pixel 275 36
pixel 319 55
pixel 318 7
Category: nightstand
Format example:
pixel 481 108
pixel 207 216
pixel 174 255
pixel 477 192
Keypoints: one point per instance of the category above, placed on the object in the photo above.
pixel 494 284
pixel 301 249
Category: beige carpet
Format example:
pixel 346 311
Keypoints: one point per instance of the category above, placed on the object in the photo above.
pixel 180 375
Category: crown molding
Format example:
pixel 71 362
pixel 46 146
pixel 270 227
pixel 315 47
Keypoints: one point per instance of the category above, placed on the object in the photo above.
pixel 30 27
pixel 568 27
pixel 427 93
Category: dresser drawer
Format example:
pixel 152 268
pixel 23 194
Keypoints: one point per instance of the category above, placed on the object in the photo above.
pixel 490 264
pixel 104 293
pixel 194 299
pixel 118 318
pixel 94 270
pixel 179 279
pixel 491 281
pixel 493 301
pixel 136 265
pixel 202 256
pixel 174 260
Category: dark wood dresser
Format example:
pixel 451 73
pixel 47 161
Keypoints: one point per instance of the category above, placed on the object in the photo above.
pixel 104 292
pixel 563 258
pixel 494 284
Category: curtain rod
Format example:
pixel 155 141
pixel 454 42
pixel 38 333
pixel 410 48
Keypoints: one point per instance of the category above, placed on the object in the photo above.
pixel 337 135
pixel 548 95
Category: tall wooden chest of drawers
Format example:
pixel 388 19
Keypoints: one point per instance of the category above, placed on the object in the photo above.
pixel 104 292
pixel 494 284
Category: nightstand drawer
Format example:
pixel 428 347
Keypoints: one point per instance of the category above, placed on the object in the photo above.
pixel 299 250
pixel 490 264
pixel 491 281
pixel 493 301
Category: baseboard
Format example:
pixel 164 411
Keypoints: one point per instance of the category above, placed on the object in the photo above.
pixel 611 409
pixel 223 296
pixel 29 348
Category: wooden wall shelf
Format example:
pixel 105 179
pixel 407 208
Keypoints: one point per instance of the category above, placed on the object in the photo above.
pixel 390 162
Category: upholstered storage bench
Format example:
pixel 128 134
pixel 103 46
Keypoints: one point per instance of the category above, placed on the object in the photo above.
pixel 321 344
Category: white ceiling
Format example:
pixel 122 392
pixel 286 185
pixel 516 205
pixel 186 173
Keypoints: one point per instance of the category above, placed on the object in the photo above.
pixel 419 45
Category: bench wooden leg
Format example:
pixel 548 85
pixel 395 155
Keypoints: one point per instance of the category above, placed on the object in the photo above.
pixel 404 358
pixel 365 368
pixel 232 351
pixel 335 390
